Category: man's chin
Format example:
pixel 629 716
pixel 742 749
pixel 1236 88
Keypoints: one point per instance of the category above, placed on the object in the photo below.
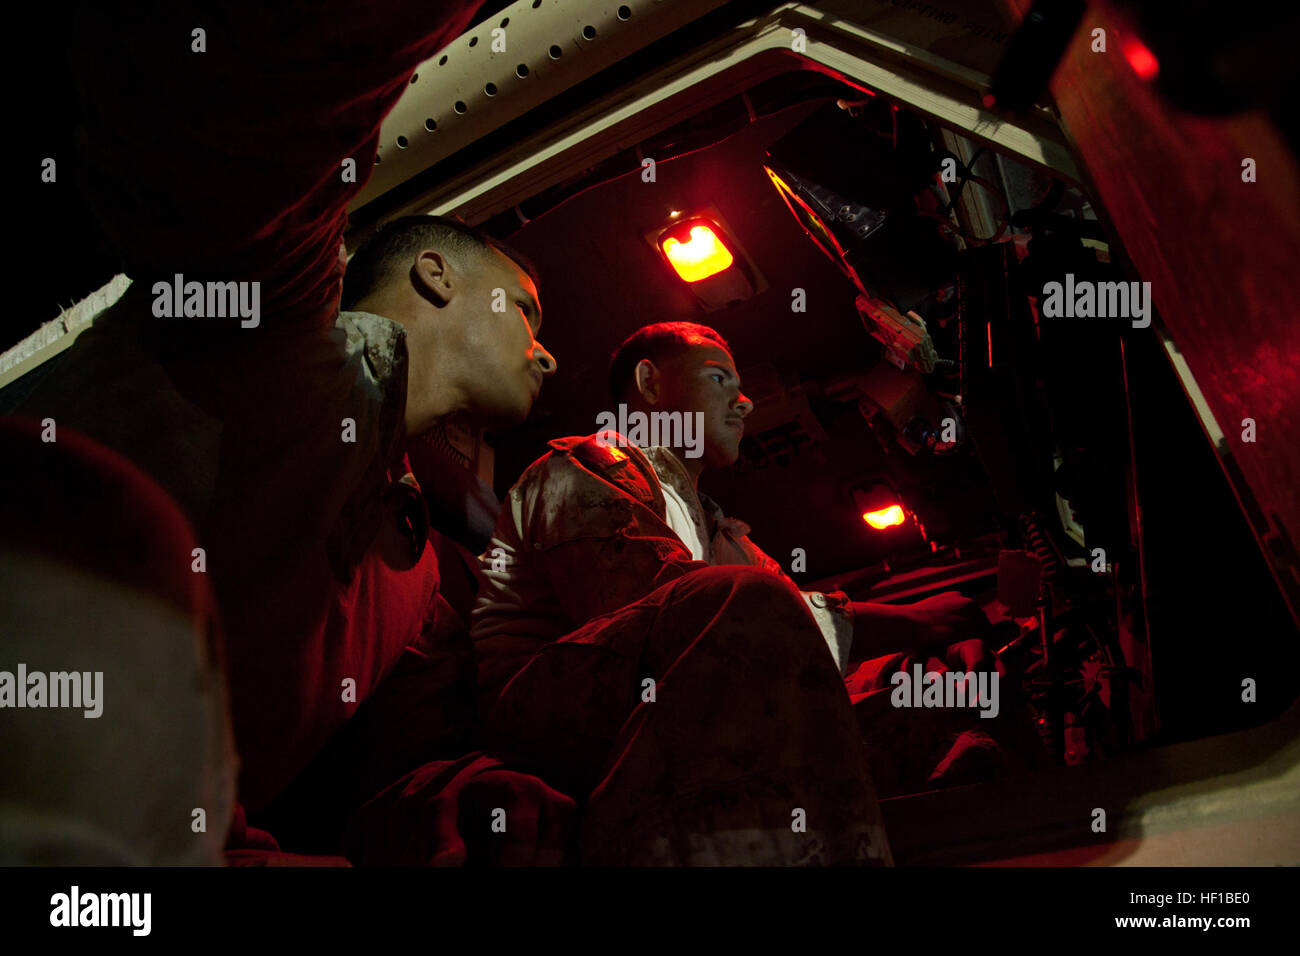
pixel 721 456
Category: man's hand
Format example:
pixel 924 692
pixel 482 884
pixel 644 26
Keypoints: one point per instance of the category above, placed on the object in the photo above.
pixel 536 822
pixel 471 811
pixel 946 619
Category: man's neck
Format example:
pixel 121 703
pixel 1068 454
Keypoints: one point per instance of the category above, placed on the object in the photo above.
pixel 681 465
pixel 694 467
pixel 430 406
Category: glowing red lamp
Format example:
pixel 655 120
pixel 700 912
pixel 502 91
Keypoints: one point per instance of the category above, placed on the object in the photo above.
pixel 881 506
pixel 1142 60
pixel 884 518
pixel 701 255
pixel 705 255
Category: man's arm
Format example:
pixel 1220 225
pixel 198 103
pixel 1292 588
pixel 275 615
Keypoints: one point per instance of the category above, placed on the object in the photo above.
pixel 875 629
pixel 880 629
pixel 928 625
pixel 219 154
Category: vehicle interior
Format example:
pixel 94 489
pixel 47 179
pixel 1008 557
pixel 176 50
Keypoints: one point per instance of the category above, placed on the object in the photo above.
pixel 891 214
pixel 873 301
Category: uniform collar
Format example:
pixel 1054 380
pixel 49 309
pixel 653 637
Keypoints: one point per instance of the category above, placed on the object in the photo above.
pixel 382 339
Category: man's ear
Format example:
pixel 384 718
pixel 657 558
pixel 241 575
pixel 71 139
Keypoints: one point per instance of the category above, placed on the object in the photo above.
pixel 647 379
pixel 431 274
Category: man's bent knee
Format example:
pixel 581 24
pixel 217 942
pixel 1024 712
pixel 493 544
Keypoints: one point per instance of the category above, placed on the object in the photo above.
pixel 739 582
pixel 756 608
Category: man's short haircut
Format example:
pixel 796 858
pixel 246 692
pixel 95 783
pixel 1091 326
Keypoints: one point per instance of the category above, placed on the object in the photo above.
pixel 386 255
pixel 658 343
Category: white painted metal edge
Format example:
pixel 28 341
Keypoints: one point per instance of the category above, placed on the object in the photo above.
pixel 57 334
pixel 758 49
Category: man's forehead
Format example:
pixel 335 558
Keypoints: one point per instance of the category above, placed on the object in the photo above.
pixel 707 354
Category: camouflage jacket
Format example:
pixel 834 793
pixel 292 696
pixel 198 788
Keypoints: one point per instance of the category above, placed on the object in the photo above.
pixel 584 532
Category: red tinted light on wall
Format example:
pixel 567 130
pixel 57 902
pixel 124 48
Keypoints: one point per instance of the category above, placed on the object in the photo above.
pixel 1142 60
pixel 695 251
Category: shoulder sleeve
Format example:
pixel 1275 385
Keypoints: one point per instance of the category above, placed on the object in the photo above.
pixel 833 612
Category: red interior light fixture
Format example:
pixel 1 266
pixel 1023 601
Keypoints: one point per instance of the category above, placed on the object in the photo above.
pixel 696 251
pixel 881 507
pixel 705 255
pixel 888 517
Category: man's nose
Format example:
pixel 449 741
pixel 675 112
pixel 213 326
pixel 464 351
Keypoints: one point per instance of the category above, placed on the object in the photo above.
pixel 744 405
pixel 544 359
